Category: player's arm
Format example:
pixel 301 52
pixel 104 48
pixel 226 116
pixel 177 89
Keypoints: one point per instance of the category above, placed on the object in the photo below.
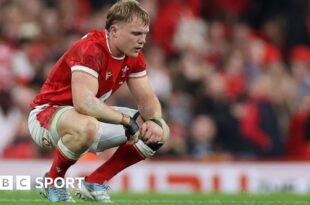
pixel 146 100
pixel 149 107
pixel 84 90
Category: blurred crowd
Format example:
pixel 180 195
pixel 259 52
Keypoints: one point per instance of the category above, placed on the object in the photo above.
pixel 233 76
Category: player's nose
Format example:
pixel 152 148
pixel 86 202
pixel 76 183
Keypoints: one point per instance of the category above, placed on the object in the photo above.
pixel 142 39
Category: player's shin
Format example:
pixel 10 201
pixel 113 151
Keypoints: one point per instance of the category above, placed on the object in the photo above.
pixel 111 135
pixel 63 159
pixel 125 156
pixel 108 136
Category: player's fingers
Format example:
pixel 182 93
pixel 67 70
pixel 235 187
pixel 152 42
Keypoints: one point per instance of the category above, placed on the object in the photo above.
pixel 147 135
pixel 136 137
pixel 143 129
pixel 133 139
pixel 157 138
pixel 152 139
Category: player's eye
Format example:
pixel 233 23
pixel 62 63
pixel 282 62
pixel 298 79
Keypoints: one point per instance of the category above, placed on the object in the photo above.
pixel 137 33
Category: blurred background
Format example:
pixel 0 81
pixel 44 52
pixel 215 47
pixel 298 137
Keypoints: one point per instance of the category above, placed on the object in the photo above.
pixel 233 76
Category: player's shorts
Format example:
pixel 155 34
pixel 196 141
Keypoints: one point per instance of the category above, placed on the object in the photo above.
pixel 42 122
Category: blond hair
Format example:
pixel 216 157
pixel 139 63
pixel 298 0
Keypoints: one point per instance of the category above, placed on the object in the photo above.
pixel 125 11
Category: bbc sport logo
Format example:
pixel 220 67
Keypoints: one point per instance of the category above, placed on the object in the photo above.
pixel 24 182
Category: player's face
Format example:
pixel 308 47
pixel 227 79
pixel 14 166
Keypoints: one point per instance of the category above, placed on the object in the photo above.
pixel 131 37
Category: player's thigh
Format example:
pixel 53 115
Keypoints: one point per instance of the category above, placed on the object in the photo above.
pixel 73 123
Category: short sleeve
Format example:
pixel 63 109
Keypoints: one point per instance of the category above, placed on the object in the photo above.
pixel 140 67
pixel 86 56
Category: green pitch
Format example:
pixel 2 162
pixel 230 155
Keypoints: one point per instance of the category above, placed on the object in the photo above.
pixel 10 197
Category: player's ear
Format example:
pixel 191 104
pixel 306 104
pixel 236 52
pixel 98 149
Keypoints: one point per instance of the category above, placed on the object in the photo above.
pixel 113 31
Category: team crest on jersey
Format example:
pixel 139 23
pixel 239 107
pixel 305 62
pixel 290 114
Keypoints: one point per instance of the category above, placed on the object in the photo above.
pixel 108 75
pixel 124 70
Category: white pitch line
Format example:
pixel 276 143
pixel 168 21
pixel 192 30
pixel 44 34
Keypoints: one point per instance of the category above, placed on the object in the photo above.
pixel 22 200
pixel 116 201
pixel 210 202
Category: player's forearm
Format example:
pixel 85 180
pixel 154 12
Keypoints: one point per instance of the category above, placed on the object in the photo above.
pixel 150 108
pixel 94 107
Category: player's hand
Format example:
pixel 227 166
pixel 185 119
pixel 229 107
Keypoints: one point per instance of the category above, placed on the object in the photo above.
pixel 131 129
pixel 150 132
pixel 133 139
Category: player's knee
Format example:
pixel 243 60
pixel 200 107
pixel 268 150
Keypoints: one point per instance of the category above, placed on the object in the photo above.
pixel 88 132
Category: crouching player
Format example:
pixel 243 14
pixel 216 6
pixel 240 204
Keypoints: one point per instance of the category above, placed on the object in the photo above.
pixel 70 113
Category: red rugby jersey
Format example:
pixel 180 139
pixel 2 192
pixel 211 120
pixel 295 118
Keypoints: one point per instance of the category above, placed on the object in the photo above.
pixel 92 55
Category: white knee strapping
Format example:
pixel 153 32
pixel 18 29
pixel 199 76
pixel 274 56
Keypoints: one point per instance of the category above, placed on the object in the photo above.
pixel 144 149
pixel 68 153
pixel 108 135
pixel 111 135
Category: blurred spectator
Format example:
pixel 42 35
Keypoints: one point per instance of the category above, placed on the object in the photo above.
pixel 234 76
pixel 167 20
pixel 297 31
pixel 300 59
pixel 255 51
pixel 298 144
pixel 158 72
pixel 177 145
pixel 259 124
pixel 194 27
pixel 215 103
pixel 22 146
pixel 217 42
pixel 21 65
pixel 224 8
pixel 178 108
pixel 191 73
pixel 10 119
pixel 201 137
pixel 6 74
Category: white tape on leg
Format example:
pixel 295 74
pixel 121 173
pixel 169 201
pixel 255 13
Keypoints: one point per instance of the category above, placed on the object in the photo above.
pixel 144 149
pixel 68 153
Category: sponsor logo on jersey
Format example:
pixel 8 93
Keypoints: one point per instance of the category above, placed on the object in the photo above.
pixel 108 75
